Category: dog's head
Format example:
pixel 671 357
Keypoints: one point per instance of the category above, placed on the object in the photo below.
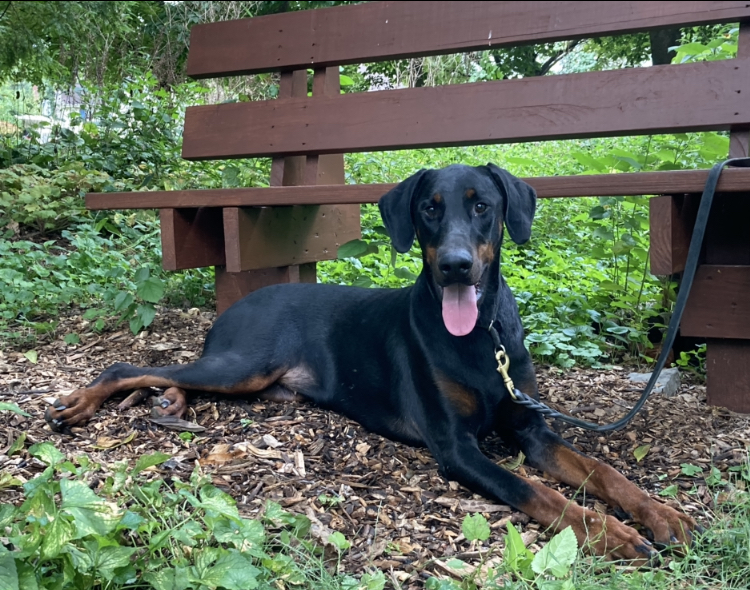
pixel 457 214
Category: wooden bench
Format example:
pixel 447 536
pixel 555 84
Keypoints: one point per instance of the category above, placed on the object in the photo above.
pixel 258 236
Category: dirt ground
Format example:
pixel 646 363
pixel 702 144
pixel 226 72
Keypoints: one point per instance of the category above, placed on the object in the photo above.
pixel 386 498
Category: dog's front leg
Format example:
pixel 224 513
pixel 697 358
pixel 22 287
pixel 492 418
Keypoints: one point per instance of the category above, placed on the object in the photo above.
pixel 548 452
pixel 461 460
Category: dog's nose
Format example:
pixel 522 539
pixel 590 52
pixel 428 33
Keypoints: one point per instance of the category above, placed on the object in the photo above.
pixel 455 265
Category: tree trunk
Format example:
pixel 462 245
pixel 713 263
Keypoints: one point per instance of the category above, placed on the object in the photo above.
pixel 661 41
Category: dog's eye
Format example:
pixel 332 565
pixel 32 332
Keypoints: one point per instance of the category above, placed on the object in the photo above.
pixel 480 208
pixel 430 211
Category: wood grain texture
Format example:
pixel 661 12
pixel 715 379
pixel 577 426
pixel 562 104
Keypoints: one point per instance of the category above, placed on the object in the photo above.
pixel 636 183
pixel 727 242
pixel 661 99
pixel 728 374
pixel 191 238
pixel 280 236
pixel 719 303
pixel 671 221
pixel 376 31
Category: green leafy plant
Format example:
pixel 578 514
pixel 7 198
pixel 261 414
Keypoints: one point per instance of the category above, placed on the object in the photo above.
pixel 138 532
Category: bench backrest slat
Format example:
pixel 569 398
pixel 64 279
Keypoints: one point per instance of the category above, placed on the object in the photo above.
pixel 661 99
pixel 378 31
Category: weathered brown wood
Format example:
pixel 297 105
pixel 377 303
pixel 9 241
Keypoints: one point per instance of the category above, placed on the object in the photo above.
pixel 233 286
pixel 281 244
pixel 719 303
pixel 376 31
pixel 191 238
pixel 671 221
pixel 597 185
pixel 279 236
pixel 728 242
pixel 728 374
pixel 661 99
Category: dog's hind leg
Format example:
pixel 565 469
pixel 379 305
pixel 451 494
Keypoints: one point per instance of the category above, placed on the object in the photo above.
pixel 225 373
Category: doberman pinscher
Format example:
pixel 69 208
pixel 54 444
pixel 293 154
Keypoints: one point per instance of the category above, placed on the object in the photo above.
pixel 416 364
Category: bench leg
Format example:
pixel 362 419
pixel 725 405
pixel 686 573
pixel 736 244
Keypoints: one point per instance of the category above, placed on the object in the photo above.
pixel 233 286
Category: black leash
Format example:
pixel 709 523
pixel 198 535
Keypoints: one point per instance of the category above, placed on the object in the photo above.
pixel 691 265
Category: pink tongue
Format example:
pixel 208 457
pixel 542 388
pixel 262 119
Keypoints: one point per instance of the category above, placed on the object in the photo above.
pixel 460 309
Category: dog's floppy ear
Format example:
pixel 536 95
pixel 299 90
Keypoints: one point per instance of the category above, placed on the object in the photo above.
pixel 395 209
pixel 520 203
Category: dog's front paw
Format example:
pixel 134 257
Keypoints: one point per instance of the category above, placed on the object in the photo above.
pixel 668 526
pixel 607 536
pixel 71 410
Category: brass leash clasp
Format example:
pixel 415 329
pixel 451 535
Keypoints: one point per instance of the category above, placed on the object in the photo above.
pixel 503 363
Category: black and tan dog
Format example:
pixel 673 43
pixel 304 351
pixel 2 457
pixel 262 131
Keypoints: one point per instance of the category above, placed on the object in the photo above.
pixel 415 364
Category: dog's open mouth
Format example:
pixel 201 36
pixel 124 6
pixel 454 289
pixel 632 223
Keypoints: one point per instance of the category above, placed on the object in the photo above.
pixel 460 308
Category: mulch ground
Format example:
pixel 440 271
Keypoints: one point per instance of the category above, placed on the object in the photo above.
pixel 388 499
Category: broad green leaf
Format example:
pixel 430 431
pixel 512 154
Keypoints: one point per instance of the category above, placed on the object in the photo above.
pixel 142 274
pixel 230 177
pixel 72 339
pixel 345 80
pixel 456 564
pixel 339 541
pixel 714 477
pixel 640 452
pixel 16 410
pixel 352 249
pixel 8 572
pixel 517 557
pixel 91 514
pixel 26 576
pixel 246 535
pixel 151 290
pixel 691 470
pixel 123 300
pixel 108 559
pixel 475 527
pixel 47 453
pixel 669 491
pixel 558 555
pixel 240 574
pixel 162 580
pixel 56 537
pixel 212 498
pixel 32 355
pixel 8 481
pixel 146 313
pixel 404 273
pixel 146 461
pixel 135 325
